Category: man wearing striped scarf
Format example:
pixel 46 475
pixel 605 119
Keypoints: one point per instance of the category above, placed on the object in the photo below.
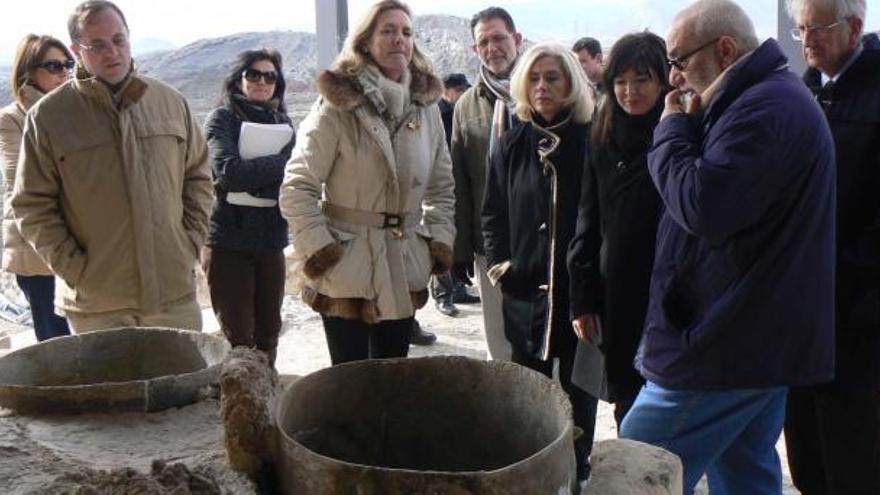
pixel 482 113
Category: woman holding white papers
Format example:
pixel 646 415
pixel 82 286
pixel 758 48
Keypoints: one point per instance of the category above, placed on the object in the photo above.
pixel 250 138
pixel 369 189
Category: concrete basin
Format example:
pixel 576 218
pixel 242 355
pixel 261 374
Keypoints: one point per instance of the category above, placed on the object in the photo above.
pixel 123 369
pixel 449 425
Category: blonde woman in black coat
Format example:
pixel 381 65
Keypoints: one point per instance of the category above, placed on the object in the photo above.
pixel 529 214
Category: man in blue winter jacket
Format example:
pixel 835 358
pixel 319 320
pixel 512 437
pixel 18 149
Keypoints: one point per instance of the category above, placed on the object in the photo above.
pixel 742 291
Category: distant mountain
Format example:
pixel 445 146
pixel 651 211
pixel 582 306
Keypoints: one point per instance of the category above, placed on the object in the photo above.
pixel 143 46
pixel 5 87
pixel 198 69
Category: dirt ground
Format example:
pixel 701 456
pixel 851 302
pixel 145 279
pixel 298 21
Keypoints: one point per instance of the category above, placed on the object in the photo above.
pixel 35 451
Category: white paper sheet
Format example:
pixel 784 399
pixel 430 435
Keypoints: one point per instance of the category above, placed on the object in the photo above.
pixel 258 140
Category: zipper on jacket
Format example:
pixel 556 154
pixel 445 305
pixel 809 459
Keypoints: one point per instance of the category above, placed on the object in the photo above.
pixel 547 146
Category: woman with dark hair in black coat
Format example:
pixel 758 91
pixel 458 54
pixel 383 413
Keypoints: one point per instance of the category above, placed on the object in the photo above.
pixel 245 262
pixel 618 214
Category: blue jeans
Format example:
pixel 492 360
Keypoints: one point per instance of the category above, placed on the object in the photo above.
pixel 729 435
pixel 39 290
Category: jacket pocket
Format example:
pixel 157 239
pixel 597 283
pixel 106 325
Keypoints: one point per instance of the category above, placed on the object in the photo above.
pixel 417 261
pixel 352 275
pixel 164 142
pixel 691 299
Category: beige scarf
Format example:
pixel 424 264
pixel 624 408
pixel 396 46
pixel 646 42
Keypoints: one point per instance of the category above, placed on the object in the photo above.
pixel 390 98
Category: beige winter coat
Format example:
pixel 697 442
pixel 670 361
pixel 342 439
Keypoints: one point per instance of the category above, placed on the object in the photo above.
pixel 18 256
pixel 346 148
pixel 115 195
pixel 471 127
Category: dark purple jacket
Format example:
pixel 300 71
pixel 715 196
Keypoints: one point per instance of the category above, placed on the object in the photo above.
pixel 742 291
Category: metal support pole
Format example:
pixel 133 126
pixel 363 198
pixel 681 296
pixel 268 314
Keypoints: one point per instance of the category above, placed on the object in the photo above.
pixel 331 28
pixel 793 49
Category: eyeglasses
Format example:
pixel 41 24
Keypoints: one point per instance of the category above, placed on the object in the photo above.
pixel 254 75
pixel 800 33
pixel 100 47
pixel 57 66
pixel 681 62
pixel 495 39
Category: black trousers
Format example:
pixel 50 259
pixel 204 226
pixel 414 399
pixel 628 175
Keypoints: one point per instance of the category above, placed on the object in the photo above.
pixel 39 290
pixel 833 440
pixel 355 340
pixel 583 404
pixel 247 289
pixel 442 286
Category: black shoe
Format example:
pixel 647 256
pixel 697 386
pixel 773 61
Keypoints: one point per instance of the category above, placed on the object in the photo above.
pixel 418 336
pixel 463 296
pixel 446 306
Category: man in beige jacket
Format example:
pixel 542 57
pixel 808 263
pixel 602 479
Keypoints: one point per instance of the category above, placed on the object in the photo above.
pixel 497 44
pixel 113 186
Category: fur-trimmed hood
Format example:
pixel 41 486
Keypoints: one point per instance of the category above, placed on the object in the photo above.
pixel 346 93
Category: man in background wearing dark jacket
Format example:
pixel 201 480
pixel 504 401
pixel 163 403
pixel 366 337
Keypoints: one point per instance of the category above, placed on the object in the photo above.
pixel 832 431
pixel 589 54
pixel 742 290
pixel 454 85
pixel 449 288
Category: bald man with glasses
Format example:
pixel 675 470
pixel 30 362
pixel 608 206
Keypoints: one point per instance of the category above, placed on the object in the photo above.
pixel 741 294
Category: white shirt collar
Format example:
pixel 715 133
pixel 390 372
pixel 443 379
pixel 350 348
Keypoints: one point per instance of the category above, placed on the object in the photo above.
pixel 858 51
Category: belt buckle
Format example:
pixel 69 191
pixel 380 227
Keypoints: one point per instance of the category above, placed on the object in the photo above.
pixel 395 224
pixel 392 221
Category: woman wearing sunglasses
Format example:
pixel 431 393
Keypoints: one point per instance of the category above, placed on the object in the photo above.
pixel 42 63
pixel 244 261
pixel 369 189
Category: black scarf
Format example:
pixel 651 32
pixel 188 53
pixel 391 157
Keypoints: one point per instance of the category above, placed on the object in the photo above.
pixel 631 135
pixel 259 112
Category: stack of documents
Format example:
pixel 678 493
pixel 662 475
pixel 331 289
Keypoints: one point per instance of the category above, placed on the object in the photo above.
pixel 255 141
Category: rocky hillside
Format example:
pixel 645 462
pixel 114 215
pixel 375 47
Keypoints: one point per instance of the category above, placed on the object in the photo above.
pixel 198 69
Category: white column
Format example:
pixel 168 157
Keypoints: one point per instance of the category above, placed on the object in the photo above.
pixel 792 48
pixel 331 28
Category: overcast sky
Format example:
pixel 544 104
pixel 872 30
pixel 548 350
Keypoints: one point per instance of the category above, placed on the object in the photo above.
pixel 179 22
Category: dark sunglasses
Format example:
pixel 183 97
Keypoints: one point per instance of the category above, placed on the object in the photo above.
pixel 57 66
pixel 254 75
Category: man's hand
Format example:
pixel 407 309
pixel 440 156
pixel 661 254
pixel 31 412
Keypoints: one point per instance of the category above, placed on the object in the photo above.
pixel 678 101
pixel 588 328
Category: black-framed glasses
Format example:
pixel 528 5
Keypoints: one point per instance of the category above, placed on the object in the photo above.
pixel 254 75
pixel 800 33
pixel 681 62
pixel 57 66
